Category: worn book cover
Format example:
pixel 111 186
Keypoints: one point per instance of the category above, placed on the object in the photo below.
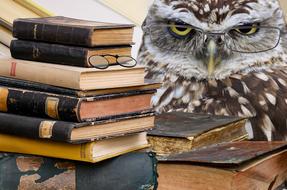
pixel 64 30
pixel 228 166
pixel 19 171
pixel 64 54
pixel 92 152
pixel 34 86
pixel 178 132
pixel 71 108
pixel 72 77
pixel 70 132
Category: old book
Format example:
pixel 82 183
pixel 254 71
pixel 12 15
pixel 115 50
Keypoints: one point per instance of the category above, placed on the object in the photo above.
pixel 178 132
pixel 4 50
pixel 38 128
pixel 5 36
pixel 88 152
pixel 13 9
pixel 15 83
pixel 69 108
pixel 19 171
pixel 72 77
pixel 64 54
pixel 228 166
pixel 64 30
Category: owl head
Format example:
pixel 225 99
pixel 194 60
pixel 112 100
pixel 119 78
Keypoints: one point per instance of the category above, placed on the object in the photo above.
pixel 206 39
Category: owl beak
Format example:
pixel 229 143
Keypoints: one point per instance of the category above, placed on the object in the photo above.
pixel 212 58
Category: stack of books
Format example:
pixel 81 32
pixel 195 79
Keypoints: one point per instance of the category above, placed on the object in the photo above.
pixel 56 102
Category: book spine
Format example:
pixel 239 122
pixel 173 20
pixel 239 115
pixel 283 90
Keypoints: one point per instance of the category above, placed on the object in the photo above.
pixel 15 83
pixel 52 53
pixel 20 171
pixel 39 104
pixel 52 33
pixel 16 144
pixel 36 128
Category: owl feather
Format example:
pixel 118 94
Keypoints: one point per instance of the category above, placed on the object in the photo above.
pixel 251 84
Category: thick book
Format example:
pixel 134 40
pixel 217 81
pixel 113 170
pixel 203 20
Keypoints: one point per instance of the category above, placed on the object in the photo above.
pixel 70 108
pixel 72 77
pixel 64 30
pixel 131 171
pixel 92 152
pixel 69 132
pixel 34 86
pixel 178 132
pixel 5 36
pixel 228 166
pixel 64 54
pixel 4 50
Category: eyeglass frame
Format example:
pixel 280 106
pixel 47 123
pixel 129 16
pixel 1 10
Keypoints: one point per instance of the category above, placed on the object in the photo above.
pixel 109 64
pixel 206 33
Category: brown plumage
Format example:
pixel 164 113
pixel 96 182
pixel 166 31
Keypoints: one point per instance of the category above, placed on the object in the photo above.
pixel 252 85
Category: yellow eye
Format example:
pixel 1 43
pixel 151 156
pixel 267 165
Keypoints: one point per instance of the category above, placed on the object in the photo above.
pixel 248 29
pixel 180 30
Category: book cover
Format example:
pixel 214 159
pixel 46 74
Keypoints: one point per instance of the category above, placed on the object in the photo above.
pixel 29 85
pixel 72 77
pixel 74 109
pixel 64 30
pixel 92 152
pixel 233 166
pixel 178 132
pixel 69 132
pixel 63 54
pixel 19 171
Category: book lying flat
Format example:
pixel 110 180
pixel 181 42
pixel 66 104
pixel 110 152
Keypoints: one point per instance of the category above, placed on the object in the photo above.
pixel 5 36
pixel 88 152
pixel 64 30
pixel 38 128
pixel 16 83
pixel 20 171
pixel 4 50
pixel 64 54
pixel 228 166
pixel 178 132
pixel 70 108
pixel 72 77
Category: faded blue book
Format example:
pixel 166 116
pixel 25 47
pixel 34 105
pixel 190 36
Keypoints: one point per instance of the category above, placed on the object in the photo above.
pixel 133 171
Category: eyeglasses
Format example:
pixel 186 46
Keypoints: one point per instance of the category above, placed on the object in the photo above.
pixel 242 39
pixel 104 61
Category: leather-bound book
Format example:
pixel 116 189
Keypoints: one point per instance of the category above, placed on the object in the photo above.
pixel 130 171
pixel 178 132
pixel 39 128
pixel 64 30
pixel 72 108
pixel 64 54
pixel 229 166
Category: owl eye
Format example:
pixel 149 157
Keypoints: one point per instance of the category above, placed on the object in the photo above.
pixel 180 30
pixel 247 29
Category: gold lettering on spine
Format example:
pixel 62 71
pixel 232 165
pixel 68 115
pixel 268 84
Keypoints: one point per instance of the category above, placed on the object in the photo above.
pixel 3 99
pixel 51 107
pixel 46 129
pixel 35 32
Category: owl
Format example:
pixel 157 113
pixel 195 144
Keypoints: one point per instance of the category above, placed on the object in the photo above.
pixel 220 57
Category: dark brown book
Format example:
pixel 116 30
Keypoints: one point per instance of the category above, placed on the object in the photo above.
pixel 29 85
pixel 229 166
pixel 72 31
pixel 63 54
pixel 178 132
pixel 39 128
pixel 69 108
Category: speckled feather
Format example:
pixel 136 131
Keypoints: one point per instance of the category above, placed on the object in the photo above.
pixel 249 85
